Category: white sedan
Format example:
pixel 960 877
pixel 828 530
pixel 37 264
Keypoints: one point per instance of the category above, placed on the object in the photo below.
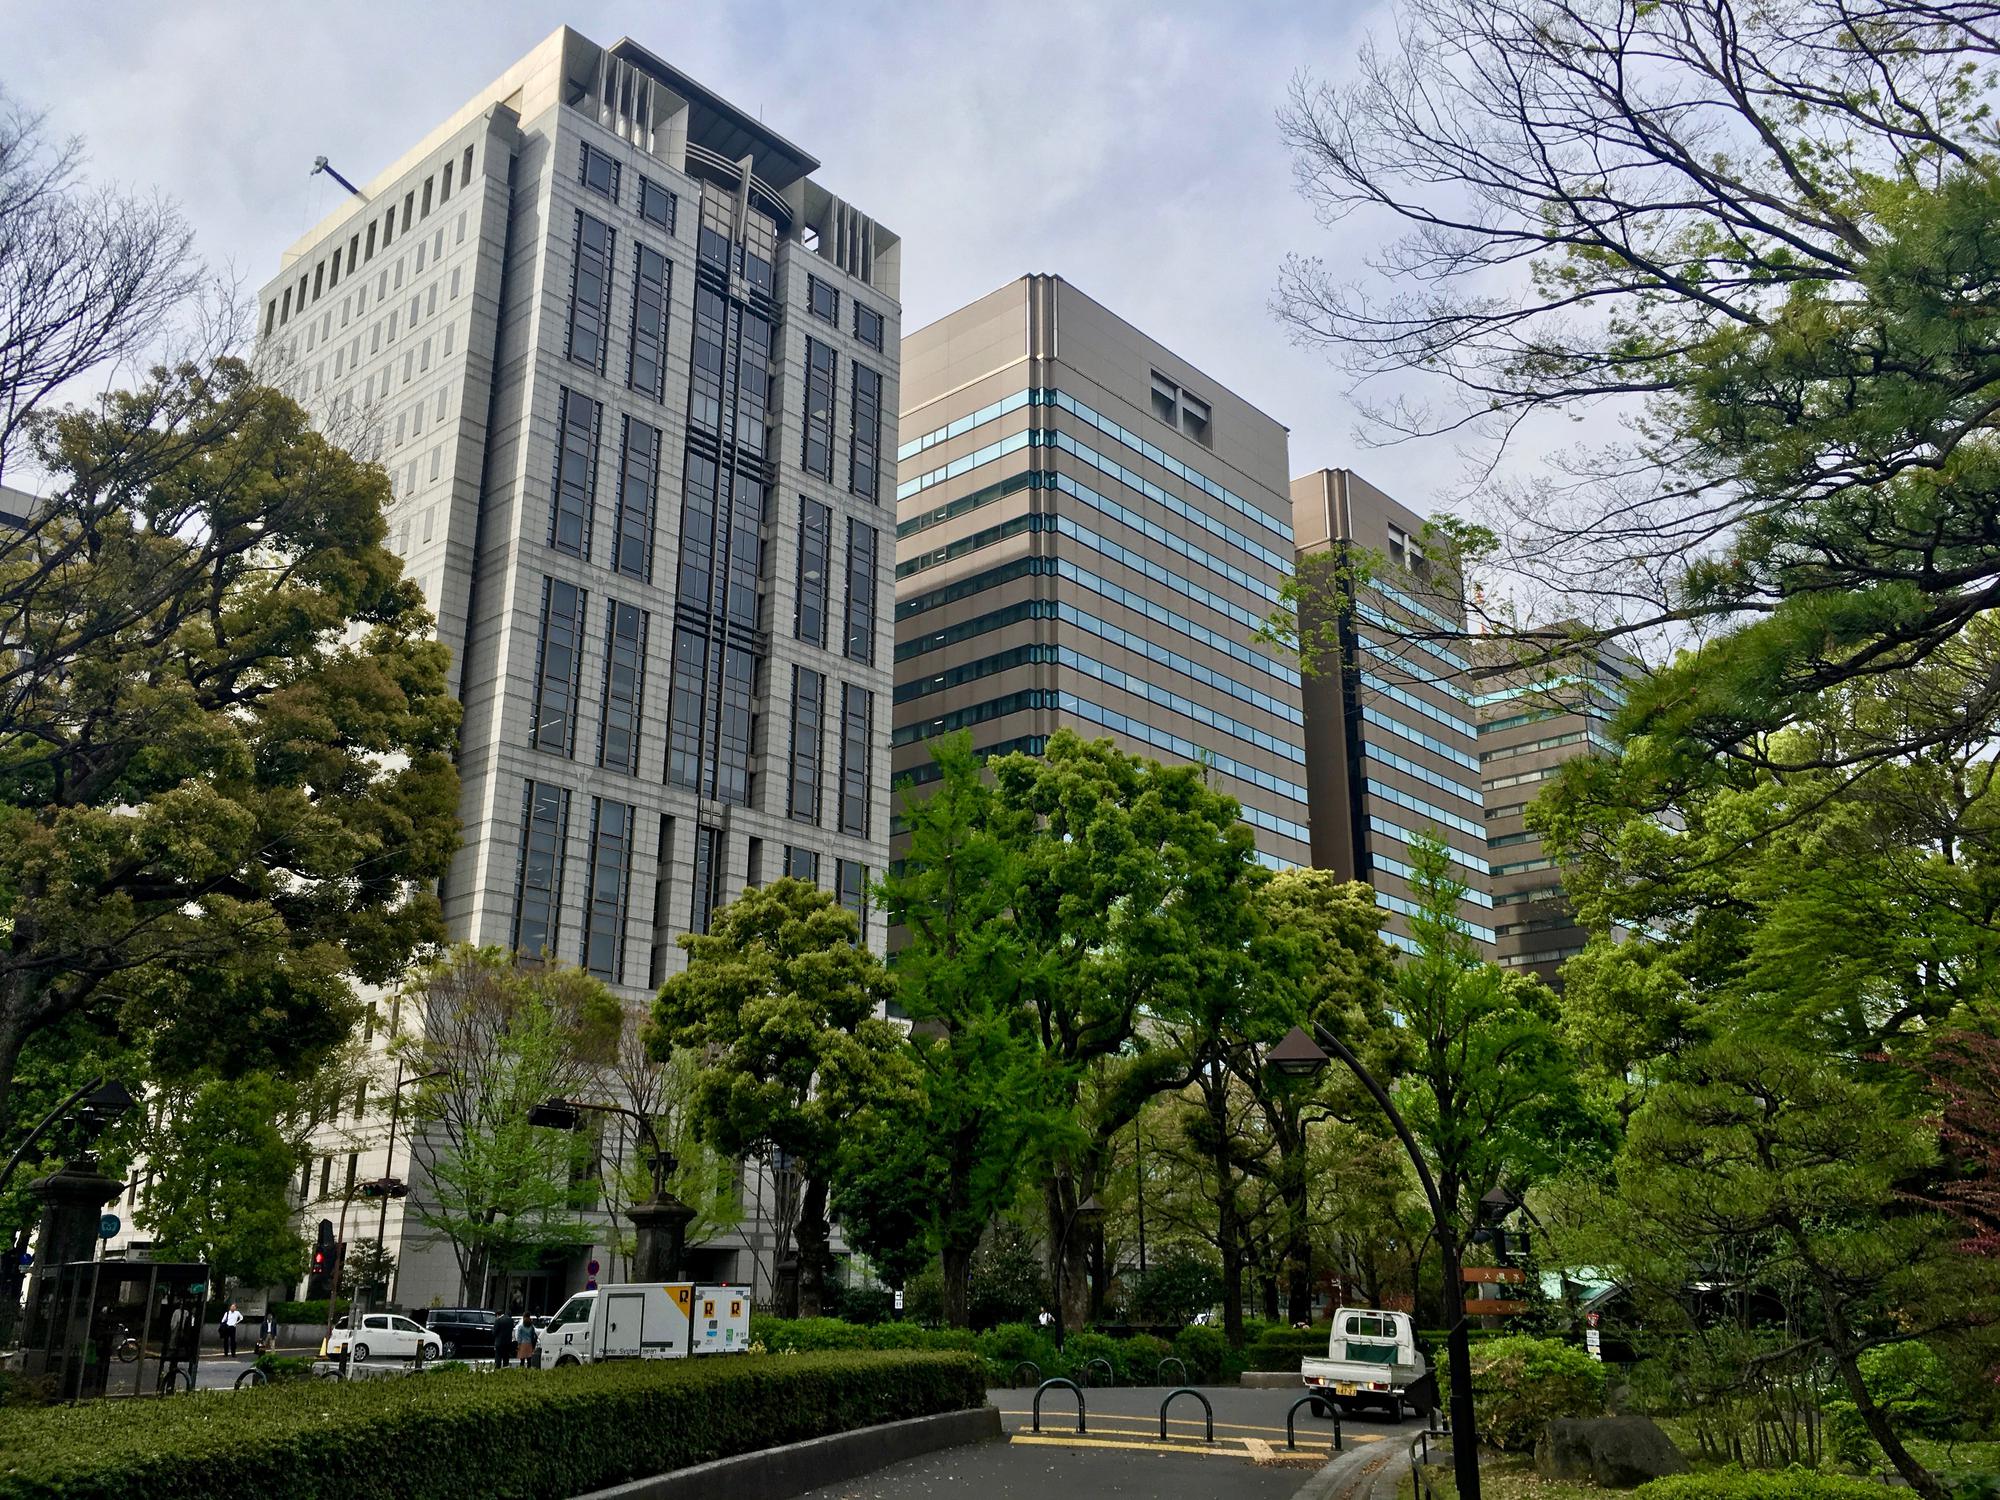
pixel 383 1336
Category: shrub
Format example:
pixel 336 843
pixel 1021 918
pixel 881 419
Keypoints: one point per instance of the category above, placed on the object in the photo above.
pixel 863 1304
pixel 1282 1348
pixel 1762 1484
pixel 1520 1385
pixel 303 1312
pixel 1143 1353
pixel 1207 1355
pixel 1081 1348
pixel 511 1433
pixel 911 1336
pixel 1912 1384
pixel 923 1295
pixel 808 1335
pixel 1006 1346
pixel 284 1367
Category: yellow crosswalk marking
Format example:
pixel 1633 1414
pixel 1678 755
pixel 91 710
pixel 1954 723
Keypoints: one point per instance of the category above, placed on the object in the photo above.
pixel 1075 1440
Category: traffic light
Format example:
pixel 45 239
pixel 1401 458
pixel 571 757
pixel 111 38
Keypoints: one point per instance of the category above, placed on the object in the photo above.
pixel 319 1261
pixel 384 1187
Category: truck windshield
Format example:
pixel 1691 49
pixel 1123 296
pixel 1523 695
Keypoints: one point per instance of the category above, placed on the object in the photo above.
pixel 576 1310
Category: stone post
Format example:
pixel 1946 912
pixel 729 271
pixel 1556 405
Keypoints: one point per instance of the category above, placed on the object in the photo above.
pixel 73 1200
pixel 661 1239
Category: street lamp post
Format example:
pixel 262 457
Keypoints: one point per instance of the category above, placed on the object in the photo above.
pixel 72 1198
pixel 1089 1208
pixel 1300 1055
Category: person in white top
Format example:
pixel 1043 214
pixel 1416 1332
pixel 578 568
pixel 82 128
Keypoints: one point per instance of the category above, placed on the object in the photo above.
pixel 231 1321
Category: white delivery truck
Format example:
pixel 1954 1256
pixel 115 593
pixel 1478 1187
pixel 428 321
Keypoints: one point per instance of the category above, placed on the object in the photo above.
pixel 648 1320
pixel 1372 1359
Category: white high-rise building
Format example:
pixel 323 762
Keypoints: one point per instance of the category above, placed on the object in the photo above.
pixel 633 373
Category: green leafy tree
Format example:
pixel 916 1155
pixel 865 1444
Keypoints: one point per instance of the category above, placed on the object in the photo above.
pixel 500 1039
pixel 220 1177
pixel 1110 847
pixel 1770 245
pixel 1323 961
pixel 932 1181
pixel 779 1000
pixel 225 736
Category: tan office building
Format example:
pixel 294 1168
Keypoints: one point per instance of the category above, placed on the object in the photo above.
pixel 1391 734
pixel 1090 532
pixel 1531 723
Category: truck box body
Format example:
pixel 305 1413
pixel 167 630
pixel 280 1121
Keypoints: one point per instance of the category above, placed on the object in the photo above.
pixel 648 1320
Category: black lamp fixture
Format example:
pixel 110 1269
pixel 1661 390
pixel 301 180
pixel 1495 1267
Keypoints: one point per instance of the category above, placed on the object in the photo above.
pixel 1298 1055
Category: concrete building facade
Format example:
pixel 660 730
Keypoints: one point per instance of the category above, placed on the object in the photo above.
pixel 1391 729
pixel 632 371
pixel 1090 532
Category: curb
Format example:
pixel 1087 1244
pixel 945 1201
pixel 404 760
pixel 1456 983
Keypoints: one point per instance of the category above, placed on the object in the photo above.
pixel 797 1468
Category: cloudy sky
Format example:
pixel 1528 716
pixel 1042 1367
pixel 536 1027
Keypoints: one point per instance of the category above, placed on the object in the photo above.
pixel 1130 147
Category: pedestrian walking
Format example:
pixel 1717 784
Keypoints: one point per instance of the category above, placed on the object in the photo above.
pixel 267 1333
pixel 503 1340
pixel 231 1321
pixel 524 1339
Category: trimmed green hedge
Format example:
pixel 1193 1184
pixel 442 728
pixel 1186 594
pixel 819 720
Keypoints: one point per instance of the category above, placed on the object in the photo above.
pixel 513 1433
pixel 809 1335
pixel 304 1312
pixel 1762 1484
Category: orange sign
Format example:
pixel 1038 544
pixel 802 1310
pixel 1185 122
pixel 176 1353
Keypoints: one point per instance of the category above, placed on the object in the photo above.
pixel 1489 1274
pixel 1497 1307
pixel 683 1296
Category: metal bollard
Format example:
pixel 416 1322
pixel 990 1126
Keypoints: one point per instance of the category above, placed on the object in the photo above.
pixel 1292 1416
pixel 1206 1410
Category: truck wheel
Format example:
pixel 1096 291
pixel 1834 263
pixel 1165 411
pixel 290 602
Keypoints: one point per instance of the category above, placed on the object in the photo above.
pixel 565 1361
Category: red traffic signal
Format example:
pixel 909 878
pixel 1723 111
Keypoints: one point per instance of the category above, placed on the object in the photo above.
pixel 319 1261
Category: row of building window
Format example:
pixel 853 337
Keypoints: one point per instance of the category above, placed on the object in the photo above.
pixel 361 246
pixel 823 302
pixel 607 904
pixel 1372 715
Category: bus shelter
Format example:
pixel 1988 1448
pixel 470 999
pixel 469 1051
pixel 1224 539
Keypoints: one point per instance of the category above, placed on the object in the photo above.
pixel 117 1328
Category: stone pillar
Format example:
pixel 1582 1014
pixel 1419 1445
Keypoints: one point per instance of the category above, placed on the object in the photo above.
pixel 662 1238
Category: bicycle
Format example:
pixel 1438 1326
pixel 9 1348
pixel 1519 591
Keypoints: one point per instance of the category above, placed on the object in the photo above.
pixel 126 1347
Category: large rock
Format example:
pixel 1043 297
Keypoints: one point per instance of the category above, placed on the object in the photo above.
pixel 1612 1452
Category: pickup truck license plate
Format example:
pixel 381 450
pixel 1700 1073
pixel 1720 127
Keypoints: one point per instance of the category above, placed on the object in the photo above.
pixel 1343 1388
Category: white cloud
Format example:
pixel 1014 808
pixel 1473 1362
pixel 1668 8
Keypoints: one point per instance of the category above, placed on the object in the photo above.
pixel 1130 147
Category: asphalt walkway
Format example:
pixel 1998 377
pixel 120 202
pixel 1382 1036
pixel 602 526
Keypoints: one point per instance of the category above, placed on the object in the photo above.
pixel 1121 1452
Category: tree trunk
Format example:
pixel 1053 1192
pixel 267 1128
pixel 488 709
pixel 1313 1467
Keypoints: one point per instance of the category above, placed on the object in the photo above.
pixel 1270 1282
pixel 1872 1416
pixel 811 1238
pixel 1061 1195
pixel 1298 1253
pixel 956 1262
pixel 1100 1274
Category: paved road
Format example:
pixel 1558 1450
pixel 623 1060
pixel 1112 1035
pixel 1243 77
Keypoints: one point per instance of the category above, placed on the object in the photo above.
pixel 1121 1452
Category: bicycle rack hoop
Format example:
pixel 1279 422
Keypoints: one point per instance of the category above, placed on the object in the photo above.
pixel 1069 1385
pixel 1292 1417
pixel 1207 1411
pixel 1091 1366
pixel 1160 1374
pixel 1014 1381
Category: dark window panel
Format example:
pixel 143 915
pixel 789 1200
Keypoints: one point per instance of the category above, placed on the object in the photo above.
pixel 708 853
pixel 734 726
pixel 823 299
pixel 610 893
pixel 652 294
pixel 862 566
pixel 802 864
pixel 558 668
pixel 590 292
pixel 577 420
pixel 864 449
pixel 815 557
pixel 624 687
pixel 857 715
pixel 600 172
pixel 688 694
pixel 538 885
pixel 868 326
pixel 818 457
pixel 808 738
pixel 657 205
pixel 638 488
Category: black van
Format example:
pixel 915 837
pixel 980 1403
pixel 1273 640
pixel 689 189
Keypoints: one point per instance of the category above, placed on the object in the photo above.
pixel 467 1331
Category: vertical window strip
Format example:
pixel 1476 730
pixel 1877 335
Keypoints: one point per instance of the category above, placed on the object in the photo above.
pixel 624 687
pixel 857 714
pixel 606 901
pixel 815 544
pixel 590 292
pixel 864 449
pixel 638 487
pixel 707 877
pixel 808 735
pixel 684 709
pixel 862 563
pixel 577 420
pixel 538 885
pixel 558 668
pixel 646 361
pixel 734 723
pixel 818 456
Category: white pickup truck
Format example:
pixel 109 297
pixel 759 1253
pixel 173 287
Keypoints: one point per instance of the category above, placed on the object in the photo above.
pixel 1372 1359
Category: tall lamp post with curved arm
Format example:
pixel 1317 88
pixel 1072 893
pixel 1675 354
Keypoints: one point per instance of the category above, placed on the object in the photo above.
pixel 660 1244
pixel 1302 1054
